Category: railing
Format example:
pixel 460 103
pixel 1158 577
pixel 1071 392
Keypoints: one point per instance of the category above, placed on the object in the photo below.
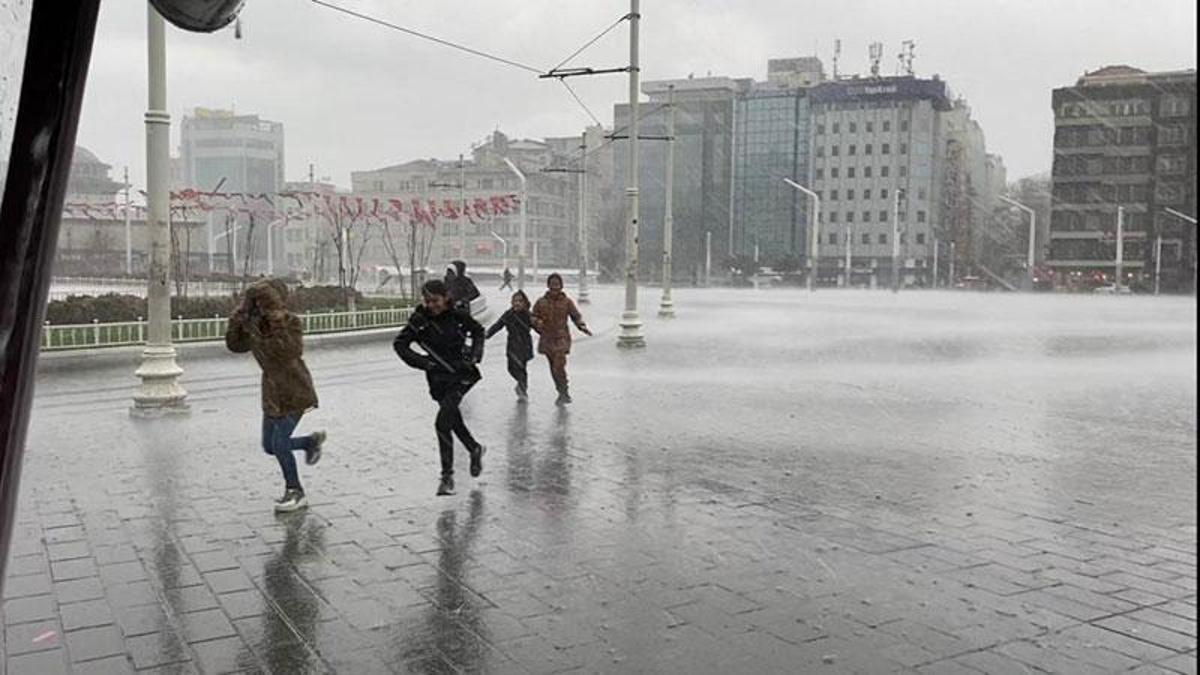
pixel 125 333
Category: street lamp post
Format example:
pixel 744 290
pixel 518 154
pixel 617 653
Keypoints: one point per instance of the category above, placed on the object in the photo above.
pixel 631 326
pixel 270 249
pixel 583 298
pixel 1189 219
pixel 128 229
pixel 1120 262
pixel 1029 261
pixel 814 241
pixel 160 391
pixel 504 243
pixel 897 195
pixel 524 221
pixel 666 308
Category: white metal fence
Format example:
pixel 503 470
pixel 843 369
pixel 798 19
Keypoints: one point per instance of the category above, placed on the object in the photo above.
pixel 124 333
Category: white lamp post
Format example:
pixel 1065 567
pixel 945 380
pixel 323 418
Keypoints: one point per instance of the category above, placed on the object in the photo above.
pixel 1029 262
pixel 524 222
pixel 814 232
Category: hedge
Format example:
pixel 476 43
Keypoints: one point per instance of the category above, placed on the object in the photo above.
pixel 118 307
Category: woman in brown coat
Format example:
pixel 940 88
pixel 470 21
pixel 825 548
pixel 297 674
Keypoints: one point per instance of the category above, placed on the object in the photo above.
pixel 550 315
pixel 262 325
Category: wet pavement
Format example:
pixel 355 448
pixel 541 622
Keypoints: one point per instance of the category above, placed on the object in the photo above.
pixel 842 482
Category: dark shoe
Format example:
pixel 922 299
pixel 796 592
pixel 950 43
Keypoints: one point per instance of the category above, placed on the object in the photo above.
pixel 446 486
pixel 292 500
pixel 313 455
pixel 563 398
pixel 522 395
pixel 477 460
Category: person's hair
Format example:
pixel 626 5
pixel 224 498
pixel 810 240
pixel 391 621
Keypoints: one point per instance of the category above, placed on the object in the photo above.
pixel 521 295
pixel 435 287
pixel 552 277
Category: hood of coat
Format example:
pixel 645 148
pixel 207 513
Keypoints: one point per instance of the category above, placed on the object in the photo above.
pixel 269 295
pixel 460 268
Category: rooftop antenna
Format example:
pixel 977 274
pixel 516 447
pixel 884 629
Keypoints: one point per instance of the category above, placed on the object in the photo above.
pixel 907 49
pixel 876 54
pixel 837 54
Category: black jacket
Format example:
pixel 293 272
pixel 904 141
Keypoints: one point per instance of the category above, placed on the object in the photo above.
pixel 519 325
pixel 449 361
pixel 462 289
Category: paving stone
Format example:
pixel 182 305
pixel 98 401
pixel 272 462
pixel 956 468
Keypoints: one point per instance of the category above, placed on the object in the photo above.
pixel 92 643
pixel 31 608
pixel 41 663
pixel 86 614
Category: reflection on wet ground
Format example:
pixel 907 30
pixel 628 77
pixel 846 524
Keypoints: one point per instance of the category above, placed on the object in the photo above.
pixel 780 482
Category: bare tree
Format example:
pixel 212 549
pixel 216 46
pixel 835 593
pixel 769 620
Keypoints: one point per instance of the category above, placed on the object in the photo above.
pixel 394 250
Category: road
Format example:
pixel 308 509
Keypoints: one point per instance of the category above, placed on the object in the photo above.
pixel 847 481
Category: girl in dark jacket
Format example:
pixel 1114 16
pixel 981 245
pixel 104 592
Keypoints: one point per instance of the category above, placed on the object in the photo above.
pixel 262 325
pixel 449 362
pixel 518 322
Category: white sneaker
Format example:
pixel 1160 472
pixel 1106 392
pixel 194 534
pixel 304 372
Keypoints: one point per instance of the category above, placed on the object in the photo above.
pixel 292 500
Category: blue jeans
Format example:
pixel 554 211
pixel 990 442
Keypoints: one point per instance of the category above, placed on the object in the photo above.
pixel 277 440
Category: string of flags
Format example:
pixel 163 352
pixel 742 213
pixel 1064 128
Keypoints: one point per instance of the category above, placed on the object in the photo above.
pixel 422 211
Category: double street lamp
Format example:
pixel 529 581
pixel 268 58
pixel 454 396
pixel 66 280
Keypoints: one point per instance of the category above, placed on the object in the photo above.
pixel 1029 262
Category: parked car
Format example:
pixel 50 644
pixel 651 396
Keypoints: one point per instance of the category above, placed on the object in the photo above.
pixel 1113 289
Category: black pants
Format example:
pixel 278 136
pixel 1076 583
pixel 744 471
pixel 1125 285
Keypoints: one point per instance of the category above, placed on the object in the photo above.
pixel 516 368
pixel 449 423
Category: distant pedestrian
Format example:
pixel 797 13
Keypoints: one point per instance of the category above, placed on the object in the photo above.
pixel 518 322
pixel 262 325
pixel 462 290
pixel 508 279
pixel 550 315
pixel 449 362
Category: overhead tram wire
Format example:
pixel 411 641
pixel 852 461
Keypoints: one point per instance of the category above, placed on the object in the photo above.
pixel 581 103
pixel 591 42
pixel 431 38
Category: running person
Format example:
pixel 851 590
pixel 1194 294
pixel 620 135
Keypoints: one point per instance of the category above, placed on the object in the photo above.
pixel 550 315
pixel 459 286
pixel 262 325
pixel 450 370
pixel 508 279
pixel 518 322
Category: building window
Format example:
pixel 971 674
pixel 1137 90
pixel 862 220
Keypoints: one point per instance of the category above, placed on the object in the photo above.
pixel 870 128
pixel 903 125
pixel 852 150
pixel 866 172
pixel 920 238
pixel 1170 164
pixel 834 172
pixel 920 216
pixel 850 172
pixel 820 129
pixel 883 194
pixel 904 148
pixel 833 216
pixel 1172 135
pixel 921 194
pixel 887 125
pixel 833 195
pixel 820 151
pixel 885 149
pixel 820 174
pixel 866 216
pixel 849 216
pixel 833 238
pixel 853 127
pixel 883 216
pixel 866 238
pixel 903 170
pixel 837 127
pixel 833 150
pixel 884 171
pixel 867 194
pixel 1174 107
pixel 867 149
pixel 883 238
pixel 850 195
pixel 1169 193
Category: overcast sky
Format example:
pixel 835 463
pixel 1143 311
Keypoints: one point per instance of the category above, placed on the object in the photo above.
pixel 353 95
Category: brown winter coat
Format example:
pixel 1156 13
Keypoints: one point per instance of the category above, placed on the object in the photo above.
pixel 550 314
pixel 274 335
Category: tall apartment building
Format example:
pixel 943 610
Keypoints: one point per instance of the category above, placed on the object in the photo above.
pixel 243 150
pixel 1124 138
pixel 704 167
pixel 873 137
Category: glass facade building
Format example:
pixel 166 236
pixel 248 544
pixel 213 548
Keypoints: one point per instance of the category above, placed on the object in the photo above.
pixel 771 144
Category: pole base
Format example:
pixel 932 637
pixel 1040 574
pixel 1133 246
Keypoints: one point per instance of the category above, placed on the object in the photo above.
pixel 631 336
pixel 583 297
pixel 160 393
pixel 666 310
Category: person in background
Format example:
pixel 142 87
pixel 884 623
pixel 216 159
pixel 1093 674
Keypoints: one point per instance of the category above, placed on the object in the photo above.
pixel 508 279
pixel 462 290
pixel 449 362
pixel 550 315
pixel 518 322
pixel 263 326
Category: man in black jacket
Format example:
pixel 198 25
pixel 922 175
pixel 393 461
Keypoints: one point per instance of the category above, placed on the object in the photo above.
pixel 441 331
pixel 460 287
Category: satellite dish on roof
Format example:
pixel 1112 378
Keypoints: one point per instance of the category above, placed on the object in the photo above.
pixel 199 16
